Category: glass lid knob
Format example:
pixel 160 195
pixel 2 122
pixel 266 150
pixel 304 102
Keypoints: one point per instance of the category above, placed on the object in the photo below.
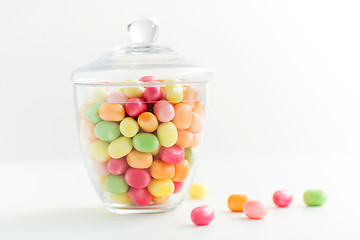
pixel 143 31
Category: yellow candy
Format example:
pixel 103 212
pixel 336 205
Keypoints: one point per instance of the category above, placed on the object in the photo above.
pixel 122 198
pixel 98 150
pixel 120 147
pixel 161 188
pixel 173 93
pixel 132 92
pixel 98 95
pixel 102 180
pixel 129 127
pixel 198 191
pixel 167 134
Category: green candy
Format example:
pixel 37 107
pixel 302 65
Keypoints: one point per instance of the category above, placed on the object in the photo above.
pixel 145 142
pixel 116 184
pixel 190 156
pixel 107 131
pixel 92 113
pixel 315 198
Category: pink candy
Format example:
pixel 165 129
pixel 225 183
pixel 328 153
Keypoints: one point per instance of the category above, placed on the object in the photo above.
pixel 117 97
pixel 140 196
pixel 152 94
pixel 174 154
pixel 164 111
pixel 178 186
pixel 202 215
pixel 100 168
pixel 137 178
pixel 282 198
pixel 117 166
pixel 147 79
pixel 135 106
pixel 254 209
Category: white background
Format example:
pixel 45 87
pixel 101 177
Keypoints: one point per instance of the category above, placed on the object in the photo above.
pixel 287 71
pixel 287 84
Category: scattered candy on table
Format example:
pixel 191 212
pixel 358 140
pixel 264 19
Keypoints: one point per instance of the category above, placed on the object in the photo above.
pixel 198 191
pixel 202 215
pixel 255 209
pixel 282 198
pixel 140 140
pixel 236 202
pixel 315 198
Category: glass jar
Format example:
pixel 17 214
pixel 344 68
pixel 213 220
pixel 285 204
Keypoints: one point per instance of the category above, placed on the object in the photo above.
pixel 140 112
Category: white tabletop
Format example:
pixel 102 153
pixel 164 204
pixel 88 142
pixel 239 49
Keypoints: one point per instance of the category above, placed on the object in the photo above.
pixel 53 199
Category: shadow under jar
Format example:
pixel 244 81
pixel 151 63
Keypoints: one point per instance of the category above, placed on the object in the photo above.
pixel 140 112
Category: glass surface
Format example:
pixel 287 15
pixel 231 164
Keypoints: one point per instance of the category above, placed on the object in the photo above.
pixel 109 93
pixel 142 58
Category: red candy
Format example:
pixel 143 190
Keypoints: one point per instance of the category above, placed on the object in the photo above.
pixel 174 154
pixel 140 196
pixel 117 166
pixel 135 106
pixel 282 198
pixel 178 186
pixel 152 94
pixel 202 215
pixel 137 178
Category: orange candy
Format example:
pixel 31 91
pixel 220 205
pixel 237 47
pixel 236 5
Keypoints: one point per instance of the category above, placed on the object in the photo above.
pixel 189 95
pixel 88 131
pixel 195 140
pixel 185 138
pixel 183 116
pixel 236 202
pixel 111 112
pixel 199 108
pixel 148 122
pixel 137 159
pixel 160 200
pixel 181 171
pixel 162 170
pixel 196 123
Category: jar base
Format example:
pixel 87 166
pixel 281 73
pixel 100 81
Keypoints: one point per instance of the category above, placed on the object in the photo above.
pixel 131 210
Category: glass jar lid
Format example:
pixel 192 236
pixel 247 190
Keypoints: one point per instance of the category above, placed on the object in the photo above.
pixel 141 58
